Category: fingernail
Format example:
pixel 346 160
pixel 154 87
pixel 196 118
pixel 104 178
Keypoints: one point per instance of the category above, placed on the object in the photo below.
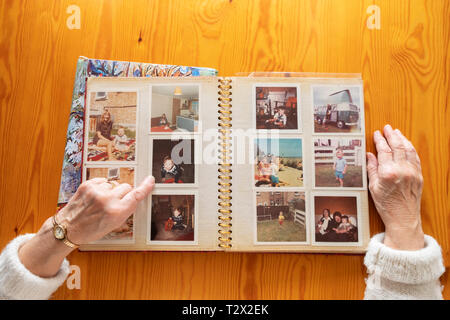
pixel 388 126
pixel 150 179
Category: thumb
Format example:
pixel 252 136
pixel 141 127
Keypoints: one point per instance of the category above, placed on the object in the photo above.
pixel 372 166
pixel 139 193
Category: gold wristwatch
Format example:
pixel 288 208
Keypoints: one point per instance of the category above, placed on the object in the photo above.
pixel 60 233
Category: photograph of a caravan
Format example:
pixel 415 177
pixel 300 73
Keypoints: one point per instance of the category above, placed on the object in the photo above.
pixel 337 109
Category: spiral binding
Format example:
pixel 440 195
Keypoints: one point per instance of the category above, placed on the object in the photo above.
pixel 225 167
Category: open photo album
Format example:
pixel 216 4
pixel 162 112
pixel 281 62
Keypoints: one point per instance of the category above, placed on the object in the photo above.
pixel 254 163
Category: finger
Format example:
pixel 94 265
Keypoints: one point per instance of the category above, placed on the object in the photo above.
pixel 383 149
pixel 122 189
pixel 395 143
pixel 372 166
pixel 106 185
pixel 411 153
pixel 138 194
pixel 97 180
pixel 113 183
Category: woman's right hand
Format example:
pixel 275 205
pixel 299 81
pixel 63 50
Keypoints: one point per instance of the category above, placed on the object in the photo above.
pixel 395 182
pixel 98 207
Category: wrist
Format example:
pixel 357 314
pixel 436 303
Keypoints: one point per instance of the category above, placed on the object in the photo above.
pixel 42 255
pixel 46 235
pixel 65 217
pixel 409 239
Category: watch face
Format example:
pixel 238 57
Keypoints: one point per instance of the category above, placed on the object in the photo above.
pixel 59 233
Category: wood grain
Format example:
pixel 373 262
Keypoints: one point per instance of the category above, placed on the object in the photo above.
pixel 405 66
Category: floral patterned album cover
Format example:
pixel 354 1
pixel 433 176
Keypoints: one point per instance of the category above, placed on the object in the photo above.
pixel 71 170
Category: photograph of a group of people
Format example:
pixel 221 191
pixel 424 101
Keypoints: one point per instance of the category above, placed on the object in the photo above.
pixel 120 175
pixel 278 162
pixel 337 109
pixel 112 126
pixel 174 108
pixel 338 162
pixel 276 108
pixel 336 218
pixel 173 217
pixel 280 216
pixel 173 161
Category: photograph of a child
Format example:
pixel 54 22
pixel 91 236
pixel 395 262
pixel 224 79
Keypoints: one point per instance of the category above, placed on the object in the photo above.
pixel 174 108
pixel 276 108
pixel 120 175
pixel 278 162
pixel 173 217
pixel 337 109
pixel 336 219
pixel 338 162
pixel 173 161
pixel 112 126
pixel 280 216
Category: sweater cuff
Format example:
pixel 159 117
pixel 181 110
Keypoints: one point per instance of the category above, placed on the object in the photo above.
pixel 409 267
pixel 17 282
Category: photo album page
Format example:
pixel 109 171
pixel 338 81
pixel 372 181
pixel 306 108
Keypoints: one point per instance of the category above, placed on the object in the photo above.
pixel 156 126
pixel 302 184
pixel 294 153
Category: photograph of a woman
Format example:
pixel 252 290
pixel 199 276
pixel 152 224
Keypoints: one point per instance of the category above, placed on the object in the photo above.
pixel 102 137
pixel 112 126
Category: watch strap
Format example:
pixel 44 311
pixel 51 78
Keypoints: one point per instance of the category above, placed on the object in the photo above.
pixel 65 240
pixel 69 243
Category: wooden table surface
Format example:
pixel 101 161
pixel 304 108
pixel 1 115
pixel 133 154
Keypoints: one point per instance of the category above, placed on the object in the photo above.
pixel 406 70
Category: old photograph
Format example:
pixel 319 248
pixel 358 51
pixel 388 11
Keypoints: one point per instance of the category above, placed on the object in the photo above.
pixel 277 107
pixel 175 108
pixel 278 162
pixel 338 162
pixel 281 216
pixel 336 219
pixel 173 161
pixel 112 126
pixel 337 109
pixel 173 217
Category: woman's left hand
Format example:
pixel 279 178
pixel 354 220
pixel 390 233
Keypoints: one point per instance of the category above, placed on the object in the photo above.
pixel 395 183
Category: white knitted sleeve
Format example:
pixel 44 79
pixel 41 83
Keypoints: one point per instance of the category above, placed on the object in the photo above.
pixel 398 274
pixel 17 282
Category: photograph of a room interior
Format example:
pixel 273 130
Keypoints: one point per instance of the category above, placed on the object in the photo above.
pixel 179 104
